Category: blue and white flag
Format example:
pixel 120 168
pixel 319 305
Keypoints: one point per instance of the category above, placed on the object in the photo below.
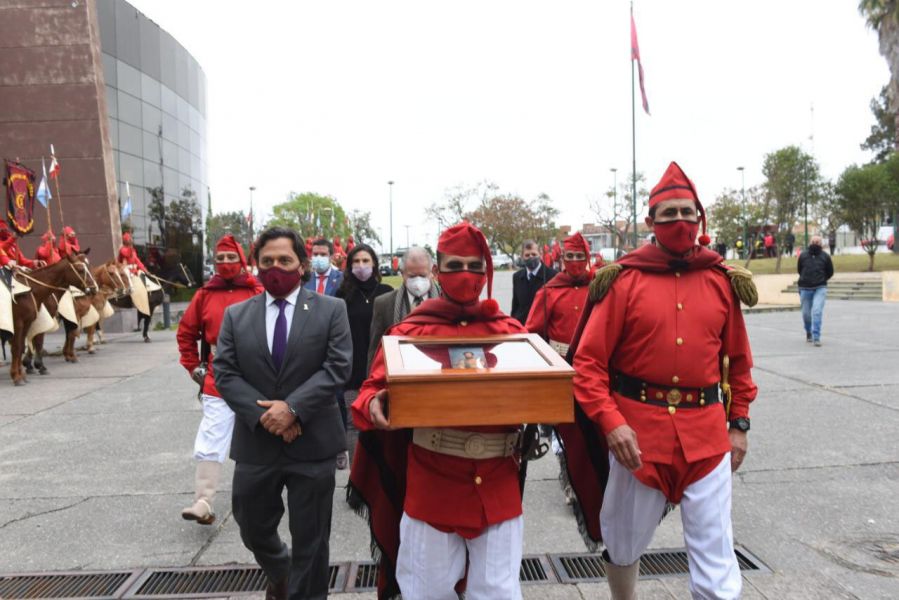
pixel 43 190
pixel 126 206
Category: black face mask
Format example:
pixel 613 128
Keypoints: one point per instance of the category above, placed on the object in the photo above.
pixel 532 263
pixel 814 249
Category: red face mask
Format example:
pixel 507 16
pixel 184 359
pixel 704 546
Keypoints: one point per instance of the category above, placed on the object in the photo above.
pixel 678 237
pixel 228 270
pixel 462 287
pixel 278 282
pixel 577 269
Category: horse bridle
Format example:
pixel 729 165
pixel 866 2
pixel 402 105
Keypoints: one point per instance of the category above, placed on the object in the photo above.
pixel 83 280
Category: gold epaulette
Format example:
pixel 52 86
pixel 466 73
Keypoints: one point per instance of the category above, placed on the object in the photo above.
pixel 741 282
pixel 603 281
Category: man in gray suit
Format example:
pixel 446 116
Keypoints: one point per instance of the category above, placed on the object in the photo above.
pixel 280 358
pixel 393 307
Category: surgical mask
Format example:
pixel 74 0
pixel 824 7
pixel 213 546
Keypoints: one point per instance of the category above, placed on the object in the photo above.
pixel 418 286
pixel 678 236
pixel 532 263
pixel 321 263
pixel 362 272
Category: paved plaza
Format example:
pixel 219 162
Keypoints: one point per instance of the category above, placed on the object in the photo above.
pixel 95 466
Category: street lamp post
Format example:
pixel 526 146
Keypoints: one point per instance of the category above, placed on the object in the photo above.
pixel 614 233
pixel 407 235
pixel 390 183
pixel 252 216
pixel 742 171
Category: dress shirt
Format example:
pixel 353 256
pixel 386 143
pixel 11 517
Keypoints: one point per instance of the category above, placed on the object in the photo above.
pixel 532 274
pixel 271 313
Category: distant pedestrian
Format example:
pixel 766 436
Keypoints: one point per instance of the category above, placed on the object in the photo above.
pixel 815 268
pixel 721 247
pixel 789 243
pixel 325 277
pixel 832 242
pixel 770 247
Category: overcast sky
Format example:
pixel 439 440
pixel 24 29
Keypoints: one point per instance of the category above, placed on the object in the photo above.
pixel 339 97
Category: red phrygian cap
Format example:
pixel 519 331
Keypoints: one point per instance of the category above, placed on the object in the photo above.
pixel 126 237
pixel 68 230
pixel 465 239
pixel 675 185
pixel 227 243
pixel 577 243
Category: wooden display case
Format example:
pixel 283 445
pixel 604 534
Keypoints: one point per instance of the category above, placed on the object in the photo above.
pixel 491 380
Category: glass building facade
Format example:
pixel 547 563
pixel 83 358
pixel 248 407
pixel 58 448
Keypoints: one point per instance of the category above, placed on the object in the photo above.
pixel 156 98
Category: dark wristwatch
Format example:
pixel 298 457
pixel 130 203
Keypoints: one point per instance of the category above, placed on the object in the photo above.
pixel 741 424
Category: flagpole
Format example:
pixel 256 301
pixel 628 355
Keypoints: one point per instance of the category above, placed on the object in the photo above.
pixel 49 220
pixel 633 140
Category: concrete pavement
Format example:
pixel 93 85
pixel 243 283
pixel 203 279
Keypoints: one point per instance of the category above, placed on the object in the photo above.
pixel 95 465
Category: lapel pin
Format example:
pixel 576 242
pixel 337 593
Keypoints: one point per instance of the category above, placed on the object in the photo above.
pixel 305 306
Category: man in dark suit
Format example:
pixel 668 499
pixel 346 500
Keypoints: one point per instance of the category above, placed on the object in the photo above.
pixel 528 280
pixel 294 352
pixel 324 278
pixel 393 307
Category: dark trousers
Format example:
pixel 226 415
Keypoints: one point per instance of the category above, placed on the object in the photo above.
pixel 257 505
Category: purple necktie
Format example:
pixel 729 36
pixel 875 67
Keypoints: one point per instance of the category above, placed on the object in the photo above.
pixel 279 340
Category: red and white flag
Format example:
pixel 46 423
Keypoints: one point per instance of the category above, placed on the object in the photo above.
pixel 54 164
pixel 635 55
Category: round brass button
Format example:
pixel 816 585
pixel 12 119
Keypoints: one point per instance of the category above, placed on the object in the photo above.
pixel 478 480
pixel 675 379
pixel 677 273
pixel 680 341
pixel 680 306
pixel 463 323
pixel 659 395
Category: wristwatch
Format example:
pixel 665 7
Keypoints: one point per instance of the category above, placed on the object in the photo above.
pixel 293 412
pixel 740 424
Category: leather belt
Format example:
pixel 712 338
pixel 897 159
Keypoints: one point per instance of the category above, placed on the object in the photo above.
pixel 465 444
pixel 560 347
pixel 664 395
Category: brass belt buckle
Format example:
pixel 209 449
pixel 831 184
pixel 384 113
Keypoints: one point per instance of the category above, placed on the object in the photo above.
pixel 674 398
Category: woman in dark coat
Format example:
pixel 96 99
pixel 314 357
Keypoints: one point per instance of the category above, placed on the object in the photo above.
pixel 361 285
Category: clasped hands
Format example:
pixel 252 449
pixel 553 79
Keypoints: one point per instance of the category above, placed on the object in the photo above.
pixel 278 420
pixel 622 442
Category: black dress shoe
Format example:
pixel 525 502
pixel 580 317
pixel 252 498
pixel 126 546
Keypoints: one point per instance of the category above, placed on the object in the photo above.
pixel 276 591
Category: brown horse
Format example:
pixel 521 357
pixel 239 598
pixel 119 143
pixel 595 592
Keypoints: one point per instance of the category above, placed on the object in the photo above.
pixel 109 282
pixel 114 283
pixel 110 273
pixel 70 271
pixel 178 275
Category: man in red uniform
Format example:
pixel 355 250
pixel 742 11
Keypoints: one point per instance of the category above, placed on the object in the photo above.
pixel 232 283
pixel 68 242
pixel 453 502
pixel 663 331
pixel 128 254
pixel 558 305
pixel 10 255
pixel 47 250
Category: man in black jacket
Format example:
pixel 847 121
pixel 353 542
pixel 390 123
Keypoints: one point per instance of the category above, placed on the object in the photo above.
pixel 815 268
pixel 528 280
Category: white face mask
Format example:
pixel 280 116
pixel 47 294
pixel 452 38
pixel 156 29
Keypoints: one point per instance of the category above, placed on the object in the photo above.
pixel 321 263
pixel 418 285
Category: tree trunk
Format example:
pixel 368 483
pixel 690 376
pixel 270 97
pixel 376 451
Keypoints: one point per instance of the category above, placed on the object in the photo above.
pixel 871 261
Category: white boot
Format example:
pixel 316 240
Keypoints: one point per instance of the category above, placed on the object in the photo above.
pixel 622 580
pixel 207 479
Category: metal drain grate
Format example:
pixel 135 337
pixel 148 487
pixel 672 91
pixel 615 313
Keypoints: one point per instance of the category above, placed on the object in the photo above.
pixel 66 585
pixel 581 568
pixel 363 577
pixel 536 569
pixel 204 582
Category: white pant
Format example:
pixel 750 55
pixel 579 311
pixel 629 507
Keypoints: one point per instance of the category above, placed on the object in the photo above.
pixel 431 562
pixel 214 436
pixel 631 512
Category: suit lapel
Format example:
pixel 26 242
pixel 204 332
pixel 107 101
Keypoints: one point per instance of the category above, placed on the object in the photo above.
pixel 259 329
pixel 305 305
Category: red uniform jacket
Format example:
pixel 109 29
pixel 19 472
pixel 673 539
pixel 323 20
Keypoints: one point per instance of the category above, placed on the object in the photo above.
pixel 391 475
pixel 68 245
pixel 47 252
pixel 672 329
pixel 128 255
pixel 9 251
pixel 564 304
pixel 203 317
